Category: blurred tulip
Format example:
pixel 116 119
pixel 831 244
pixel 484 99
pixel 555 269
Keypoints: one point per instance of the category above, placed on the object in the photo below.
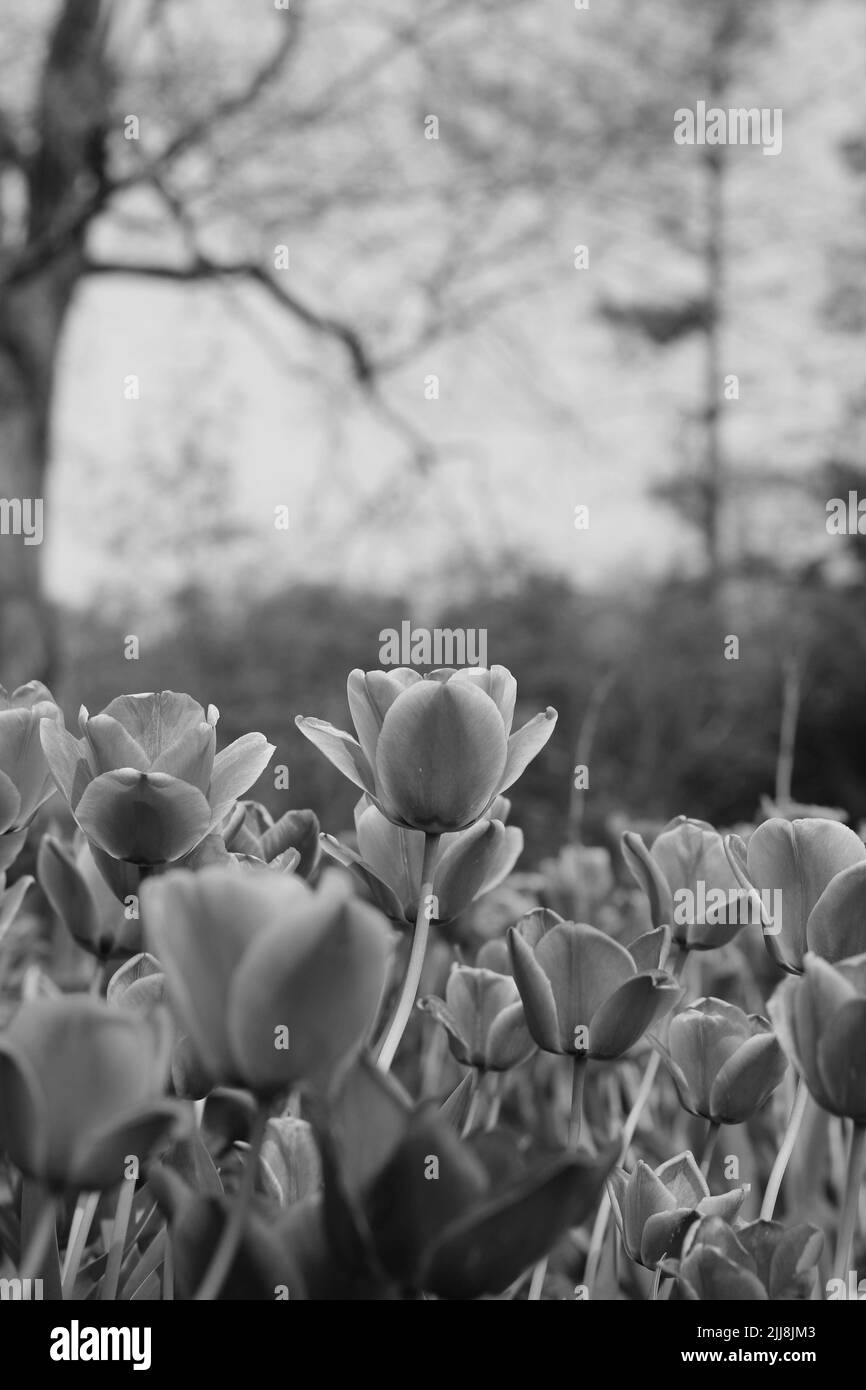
pixel 389 862
pixel 759 1262
pixel 83 901
pixel 800 859
pixel 139 984
pixel 274 984
pixel 25 778
pixel 432 752
pixel 82 1088
pixel 409 1206
pixel 483 1017
pixel 251 830
pixel 689 883
pixel 653 1210
pixel 290 1160
pixel 825 1013
pixel 145 783
pixel 582 992
pixel 725 1064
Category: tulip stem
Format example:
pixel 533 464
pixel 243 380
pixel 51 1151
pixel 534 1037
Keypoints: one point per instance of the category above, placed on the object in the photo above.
pixel 578 1080
pixel 233 1229
pixel 629 1129
pixel 710 1140
pixel 539 1274
pixel 495 1101
pixel 40 1238
pixel 657 1282
pixel 85 1211
pixel 774 1182
pixel 406 1002
pixel 851 1206
pixel 123 1212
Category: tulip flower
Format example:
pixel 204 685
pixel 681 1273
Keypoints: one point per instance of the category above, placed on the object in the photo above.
pixel 653 1210
pixel 583 992
pixel 144 782
pixel 759 1262
pixel 390 858
pixel 408 1207
pixel 725 1064
pixel 826 1017
pixel 434 752
pixel 290 843
pixel 83 901
pixel 483 1017
pixel 25 778
pixel 82 1088
pixel 274 984
pixel 800 860
pixel 689 883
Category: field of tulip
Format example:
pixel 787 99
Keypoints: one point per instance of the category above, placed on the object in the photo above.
pixel 294 1065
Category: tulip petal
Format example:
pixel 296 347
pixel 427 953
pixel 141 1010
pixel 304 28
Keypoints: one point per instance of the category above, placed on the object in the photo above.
pixel 10 902
pixel 99 1159
pixel 584 968
pixel 143 817
pixel 684 1180
pixel 394 854
pixel 21 757
pixel 647 872
pixel 718 1279
pixel 199 926
pixel 532 926
pixel 485 1250
pixel 747 1080
pixel 498 683
pixel 799 858
pixel 69 895
pixel 371 694
pixel 10 803
pixel 157 719
pixel 842 1060
pixel 65 757
pixel 649 951
pixel 535 990
pixel 526 744
pixel 459 1044
pixel 111 746
pixel 340 749
pixel 191 757
pixel 441 755
pixel 23 1118
pixel 820 996
pixel 836 928
pixel 235 770
pixel 509 1041
pixel 475 861
pixel 322 980
pixel 627 1013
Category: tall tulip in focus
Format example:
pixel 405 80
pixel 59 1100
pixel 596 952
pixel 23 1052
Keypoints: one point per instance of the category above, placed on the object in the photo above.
pixel 432 754
pixel 690 885
pixel 25 777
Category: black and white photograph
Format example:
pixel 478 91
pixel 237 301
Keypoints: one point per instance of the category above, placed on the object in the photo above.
pixel 433 666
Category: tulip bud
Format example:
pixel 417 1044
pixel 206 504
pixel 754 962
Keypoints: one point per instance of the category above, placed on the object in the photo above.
pixel 581 991
pixel 799 860
pixel 25 778
pixel 483 1017
pixel 654 1210
pixel 81 1087
pixel 275 985
pixel 432 753
pixel 690 884
pixel 725 1064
